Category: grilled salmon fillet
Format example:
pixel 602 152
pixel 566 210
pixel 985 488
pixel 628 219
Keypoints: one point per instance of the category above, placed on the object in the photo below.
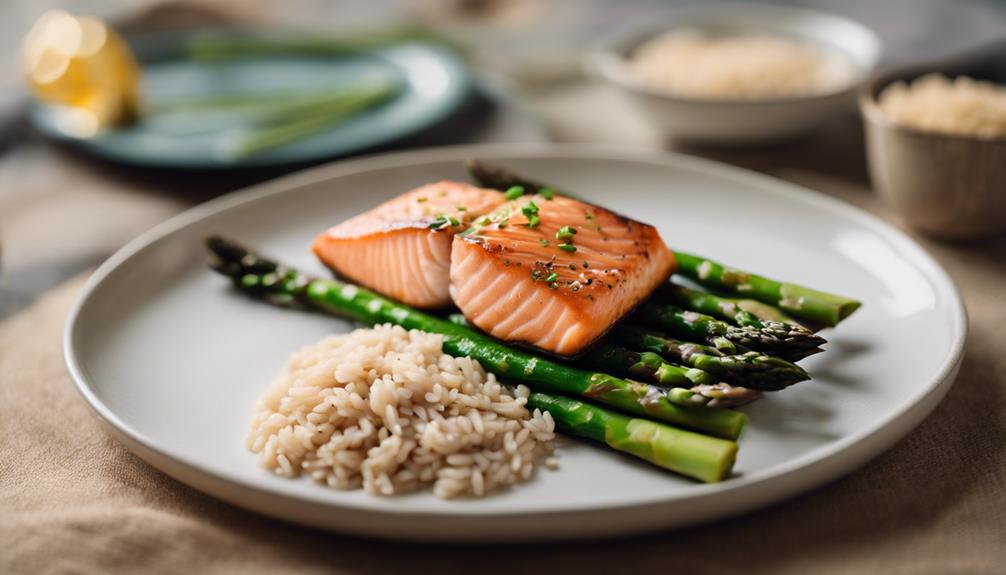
pixel 554 274
pixel 402 248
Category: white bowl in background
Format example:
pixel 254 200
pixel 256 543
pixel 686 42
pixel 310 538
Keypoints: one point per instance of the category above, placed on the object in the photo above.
pixel 740 121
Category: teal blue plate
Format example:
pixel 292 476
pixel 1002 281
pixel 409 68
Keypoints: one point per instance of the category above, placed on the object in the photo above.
pixel 432 83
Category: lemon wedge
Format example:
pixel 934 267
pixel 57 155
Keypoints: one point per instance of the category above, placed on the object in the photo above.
pixel 85 68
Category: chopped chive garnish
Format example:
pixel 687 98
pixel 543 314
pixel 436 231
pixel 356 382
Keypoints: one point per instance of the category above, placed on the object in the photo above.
pixel 530 210
pixel 441 221
pixel 547 193
pixel 552 277
pixel 514 192
pixel 565 233
pixel 420 200
pixel 485 221
pixel 504 222
pixel 461 208
pixel 543 242
pixel 567 247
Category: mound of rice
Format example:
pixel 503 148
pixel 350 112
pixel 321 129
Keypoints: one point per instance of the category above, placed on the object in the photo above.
pixel 936 103
pixel 385 409
pixel 691 62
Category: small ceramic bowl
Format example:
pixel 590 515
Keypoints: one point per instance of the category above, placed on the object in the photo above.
pixel 946 185
pixel 740 122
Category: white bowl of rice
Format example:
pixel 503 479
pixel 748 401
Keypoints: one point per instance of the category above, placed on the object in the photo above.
pixel 739 75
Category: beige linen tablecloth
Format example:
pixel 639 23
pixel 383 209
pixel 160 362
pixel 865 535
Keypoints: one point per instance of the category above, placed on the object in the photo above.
pixel 72 500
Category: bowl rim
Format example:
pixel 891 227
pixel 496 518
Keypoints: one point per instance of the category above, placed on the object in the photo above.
pixel 869 105
pixel 607 60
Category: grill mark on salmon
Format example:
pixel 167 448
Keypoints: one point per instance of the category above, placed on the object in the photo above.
pixel 514 281
pixel 402 248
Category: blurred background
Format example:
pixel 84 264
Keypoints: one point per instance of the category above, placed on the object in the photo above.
pixel 515 73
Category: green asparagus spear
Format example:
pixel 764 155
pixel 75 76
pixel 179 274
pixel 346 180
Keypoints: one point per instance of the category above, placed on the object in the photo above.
pixel 267 280
pixel 764 311
pixel 694 326
pixel 723 394
pixel 705 458
pixel 798 300
pixel 651 367
pixel 702 386
pixel 793 336
pixel 749 369
pixel 644 366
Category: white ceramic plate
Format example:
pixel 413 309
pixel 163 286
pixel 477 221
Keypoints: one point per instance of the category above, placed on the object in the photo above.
pixel 174 360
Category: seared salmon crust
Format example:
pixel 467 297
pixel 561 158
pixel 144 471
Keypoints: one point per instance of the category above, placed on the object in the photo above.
pixel 556 273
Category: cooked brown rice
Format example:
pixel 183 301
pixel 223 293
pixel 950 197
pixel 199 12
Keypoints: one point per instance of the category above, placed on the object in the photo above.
pixel 936 103
pixel 694 63
pixel 387 410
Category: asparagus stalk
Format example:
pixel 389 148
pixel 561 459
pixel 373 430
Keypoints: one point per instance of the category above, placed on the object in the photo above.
pixel 651 367
pixel 702 386
pixel 764 311
pixel 694 326
pixel 750 369
pixel 705 458
pixel 793 336
pixel 725 395
pixel 280 285
pixel 817 306
pixel 642 365
pixel 645 365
